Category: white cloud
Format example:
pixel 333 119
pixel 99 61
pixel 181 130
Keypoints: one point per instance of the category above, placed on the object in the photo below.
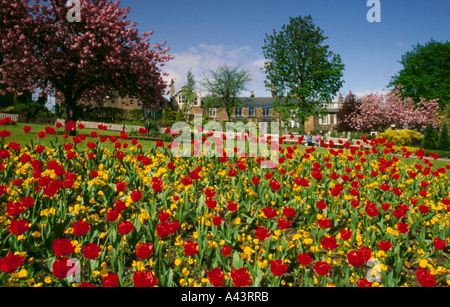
pixel 202 58
pixel 361 93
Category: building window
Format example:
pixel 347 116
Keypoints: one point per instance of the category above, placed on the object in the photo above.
pixel 324 120
pixel 335 119
pixel 251 112
pixel 181 99
pixel 196 101
pixel 266 112
pixel 238 112
pixel 212 112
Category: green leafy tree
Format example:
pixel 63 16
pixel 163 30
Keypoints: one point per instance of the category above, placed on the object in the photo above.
pixel 168 115
pixel 225 85
pixel 430 138
pixel 180 116
pixel 444 141
pixel 189 91
pixel 301 69
pixel 425 73
pixel 349 106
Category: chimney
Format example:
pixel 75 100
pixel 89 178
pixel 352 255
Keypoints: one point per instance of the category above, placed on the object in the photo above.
pixel 172 88
pixel 274 92
pixel 340 98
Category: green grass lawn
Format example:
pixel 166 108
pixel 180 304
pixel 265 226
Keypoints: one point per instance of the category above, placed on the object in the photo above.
pixel 19 136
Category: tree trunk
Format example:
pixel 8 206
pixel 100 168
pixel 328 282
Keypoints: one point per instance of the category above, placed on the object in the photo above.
pixel 71 111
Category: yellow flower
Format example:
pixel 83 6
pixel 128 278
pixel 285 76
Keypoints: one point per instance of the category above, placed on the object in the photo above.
pixel 307 241
pixel 21 274
pixel 178 261
pixel 47 212
pixel 423 263
pixel 139 265
pixel 185 272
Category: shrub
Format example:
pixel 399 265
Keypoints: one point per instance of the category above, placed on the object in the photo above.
pixel 180 116
pixel 137 115
pixel 430 138
pixel 168 116
pixel 153 127
pixel 404 137
pixel 444 142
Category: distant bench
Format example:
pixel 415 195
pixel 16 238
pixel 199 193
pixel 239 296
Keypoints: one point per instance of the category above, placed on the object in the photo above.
pixel 337 141
pixel 358 142
pixel 13 117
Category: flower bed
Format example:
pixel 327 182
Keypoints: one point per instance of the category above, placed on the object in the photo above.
pixel 352 216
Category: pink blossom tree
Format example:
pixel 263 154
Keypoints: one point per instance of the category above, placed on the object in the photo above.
pixel 379 111
pixel 102 54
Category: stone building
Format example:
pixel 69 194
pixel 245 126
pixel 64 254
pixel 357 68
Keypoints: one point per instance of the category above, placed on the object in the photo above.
pixel 256 109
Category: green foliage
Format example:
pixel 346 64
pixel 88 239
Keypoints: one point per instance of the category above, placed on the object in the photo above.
pixel 6 100
pixel 301 69
pixel 137 115
pixel 351 101
pixel 225 84
pixel 430 138
pixel 425 72
pixel 101 114
pixel 189 91
pixel 153 127
pixel 31 111
pixel 180 116
pixel 444 141
pixel 168 116
pixel 402 137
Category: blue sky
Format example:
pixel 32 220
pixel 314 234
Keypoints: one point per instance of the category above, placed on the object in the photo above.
pixel 204 34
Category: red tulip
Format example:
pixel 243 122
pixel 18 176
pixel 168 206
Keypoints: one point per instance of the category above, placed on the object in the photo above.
pixel 329 243
pixel 363 283
pixel 304 258
pixel 111 280
pixel 262 233
pixel 19 227
pixel 269 212
pixel 425 278
pixel 359 257
pixel 277 267
pixel 275 185
pixel 125 227
pixel 384 245
pixel 216 277
pixel 240 277
pixel 217 220
pixel 63 268
pixel 11 262
pixel 80 228
pixel 136 195
pixel 226 250
pixel 283 223
pixel 143 250
pixel 345 234
pixel 62 247
pixel 190 248
pixel 289 212
pixel 112 215
pixel 91 251
pixel 321 268
pixel 439 243
pixel 144 279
